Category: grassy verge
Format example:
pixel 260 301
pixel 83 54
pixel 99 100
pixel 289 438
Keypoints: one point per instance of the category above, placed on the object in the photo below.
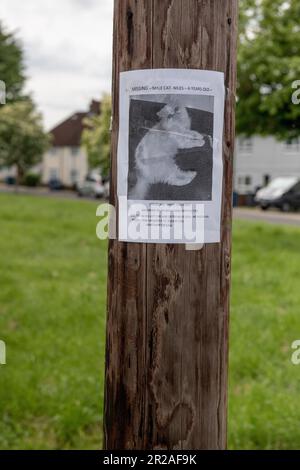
pixel 265 320
pixel 52 318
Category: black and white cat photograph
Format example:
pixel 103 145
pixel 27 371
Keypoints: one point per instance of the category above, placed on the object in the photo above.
pixel 170 148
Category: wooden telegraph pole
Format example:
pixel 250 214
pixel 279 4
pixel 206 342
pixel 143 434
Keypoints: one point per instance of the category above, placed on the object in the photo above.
pixel 168 308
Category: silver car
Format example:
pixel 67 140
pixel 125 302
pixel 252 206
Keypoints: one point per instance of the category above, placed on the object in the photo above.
pixel 92 187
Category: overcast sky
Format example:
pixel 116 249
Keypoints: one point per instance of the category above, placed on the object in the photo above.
pixel 67 46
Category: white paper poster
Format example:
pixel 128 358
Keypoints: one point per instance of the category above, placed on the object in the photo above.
pixel 170 167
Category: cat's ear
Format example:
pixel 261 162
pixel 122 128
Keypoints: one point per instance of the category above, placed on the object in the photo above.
pixel 163 112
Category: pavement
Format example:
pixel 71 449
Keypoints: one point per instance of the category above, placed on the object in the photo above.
pixel 40 191
pixel 271 216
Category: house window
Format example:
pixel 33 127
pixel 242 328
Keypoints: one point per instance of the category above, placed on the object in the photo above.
pixel 74 151
pixel 292 145
pixel 245 180
pixel 246 145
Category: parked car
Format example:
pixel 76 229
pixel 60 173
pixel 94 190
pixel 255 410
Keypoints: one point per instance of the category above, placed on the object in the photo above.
pixel 10 180
pixel 282 193
pixel 55 184
pixel 92 186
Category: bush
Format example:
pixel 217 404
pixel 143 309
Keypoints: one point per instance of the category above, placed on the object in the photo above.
pixel 32 179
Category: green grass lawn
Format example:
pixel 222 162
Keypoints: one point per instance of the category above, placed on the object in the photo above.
pixel 265 320
pixel 52 318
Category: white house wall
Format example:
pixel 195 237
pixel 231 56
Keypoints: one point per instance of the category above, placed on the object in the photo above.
pixel 66 164
pixel 268 157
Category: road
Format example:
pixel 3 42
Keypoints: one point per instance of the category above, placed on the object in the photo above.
pixel 270 216
pixel 40 191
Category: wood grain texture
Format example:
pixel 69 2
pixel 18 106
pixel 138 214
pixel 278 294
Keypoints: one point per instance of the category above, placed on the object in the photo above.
pixel 168 308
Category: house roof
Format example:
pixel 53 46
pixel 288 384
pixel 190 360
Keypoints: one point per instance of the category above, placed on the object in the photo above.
pixel 68 133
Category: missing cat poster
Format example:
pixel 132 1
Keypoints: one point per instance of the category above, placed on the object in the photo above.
pixel 170 167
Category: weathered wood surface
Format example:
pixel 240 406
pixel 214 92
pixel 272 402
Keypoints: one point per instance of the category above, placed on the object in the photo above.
pixel 168 308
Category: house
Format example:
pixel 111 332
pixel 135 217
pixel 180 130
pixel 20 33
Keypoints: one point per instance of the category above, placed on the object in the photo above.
pixel 66 161
pixel 261 159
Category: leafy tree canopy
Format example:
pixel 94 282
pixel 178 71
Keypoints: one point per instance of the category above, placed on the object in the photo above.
pixel 96 137
pixel 22 138
pixel 11 64
pixel 268 64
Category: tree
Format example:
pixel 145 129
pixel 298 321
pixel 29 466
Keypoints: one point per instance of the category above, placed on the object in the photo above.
pixel 96 137
pixel 269 63
pixel 11 65
pixel 248 14
pixel 22 138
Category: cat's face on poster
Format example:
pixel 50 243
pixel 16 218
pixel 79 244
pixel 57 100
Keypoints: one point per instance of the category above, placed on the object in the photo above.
pixel 174 117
